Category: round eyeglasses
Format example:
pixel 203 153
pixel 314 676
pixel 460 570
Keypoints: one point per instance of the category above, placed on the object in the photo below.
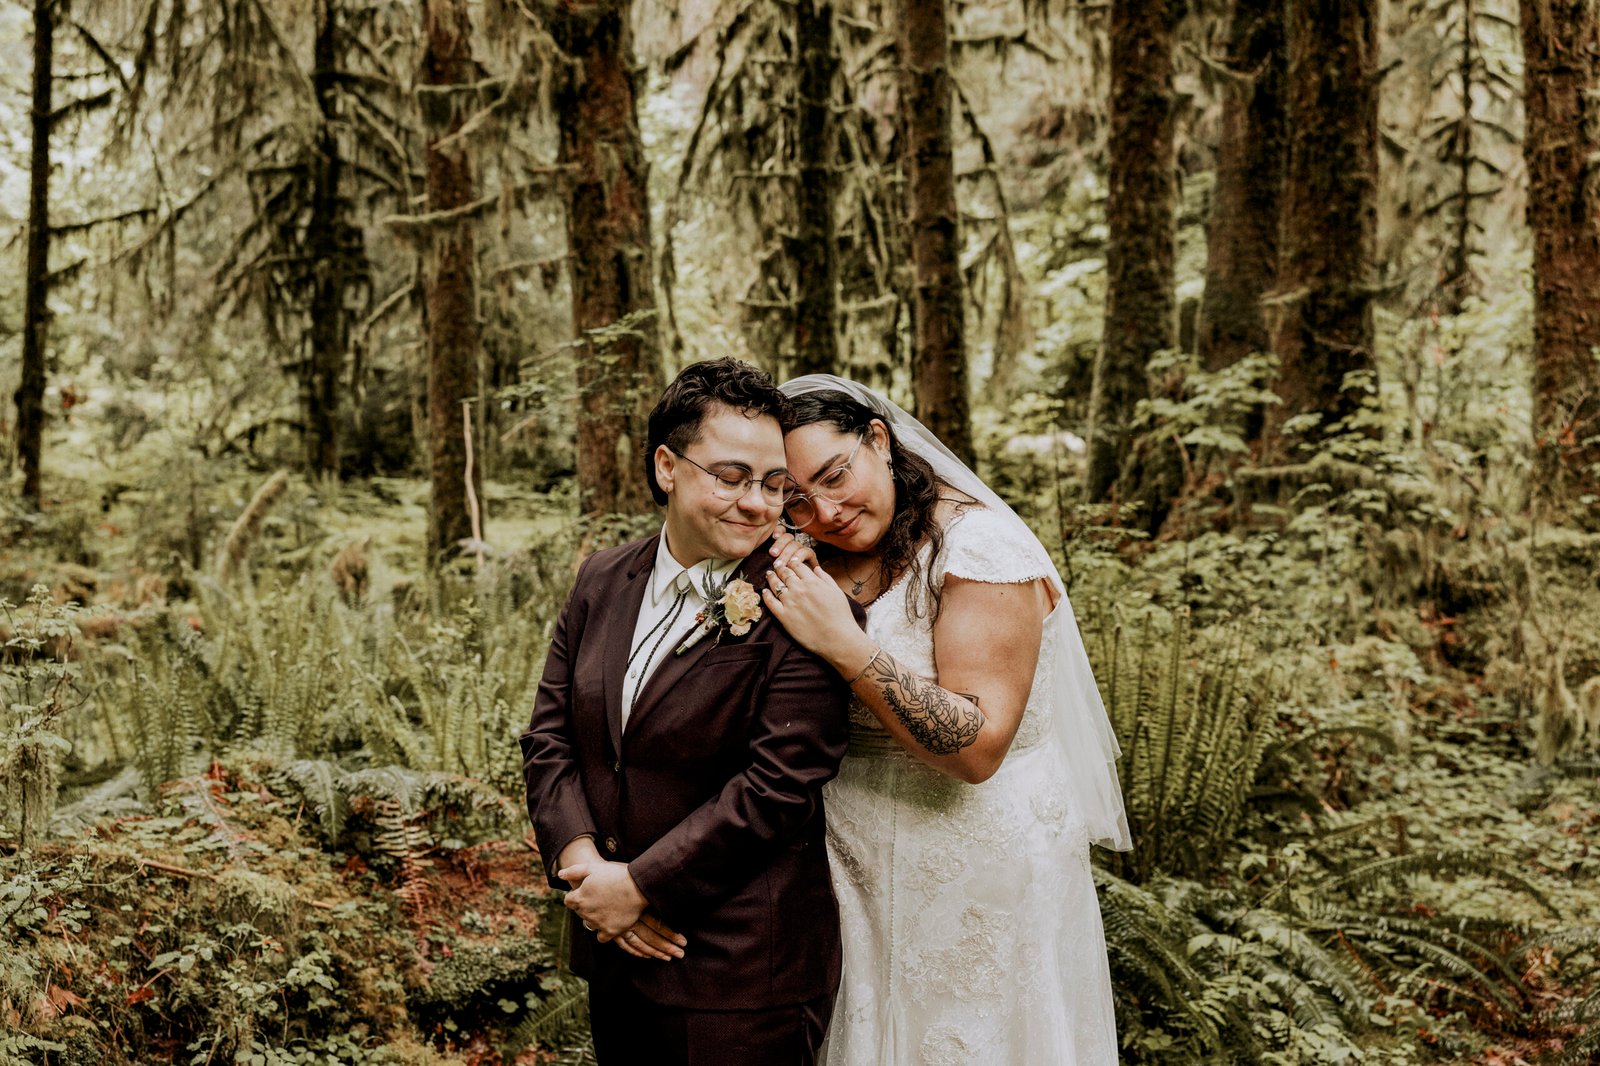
pixel 731 481
pixel 799 508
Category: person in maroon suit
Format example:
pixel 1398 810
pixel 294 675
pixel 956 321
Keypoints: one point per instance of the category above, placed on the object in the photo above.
pixel 676 756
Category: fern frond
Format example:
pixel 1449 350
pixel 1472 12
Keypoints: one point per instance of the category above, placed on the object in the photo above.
pixel 1437 948
pixel 322 785
pixel 1297 745
pixel 560 1017
pixel 1582 1050
pixel 1369 875
pixel 1293 944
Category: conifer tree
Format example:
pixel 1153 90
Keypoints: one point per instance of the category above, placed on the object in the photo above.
pixel 1242 233
pixel 450 268
pixel 1561 48
pixel 815 243
pixel 1322 303
pixel 36 313
pixel 609 253
pixel 939 358
pixel 1140 314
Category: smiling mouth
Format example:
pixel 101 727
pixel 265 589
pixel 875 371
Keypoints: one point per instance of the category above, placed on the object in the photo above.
pixel 846 527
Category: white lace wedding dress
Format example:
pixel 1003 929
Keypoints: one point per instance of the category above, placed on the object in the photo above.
pixel 972 932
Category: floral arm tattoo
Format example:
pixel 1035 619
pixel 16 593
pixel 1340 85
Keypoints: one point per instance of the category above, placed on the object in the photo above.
pixel 940 721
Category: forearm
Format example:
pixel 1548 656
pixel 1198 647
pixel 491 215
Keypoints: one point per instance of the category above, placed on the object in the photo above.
pixel 581 850
pixel 948 730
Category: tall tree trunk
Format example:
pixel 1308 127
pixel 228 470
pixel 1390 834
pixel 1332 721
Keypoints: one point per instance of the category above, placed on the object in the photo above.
pixel 815 252
pixel 1323 314
pixel 939 361
pixel 1140 315
pixel 1242 235
pixel 608 255
pixel 329 332
pixel 1459 281
pixel 1561 48
pixel 36 312
pixel 451 269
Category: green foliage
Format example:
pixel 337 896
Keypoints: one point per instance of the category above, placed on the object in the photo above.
pixel 559 1018
pixel 1194 727
pixel 1210 416
pixel 38 684
pixel 211 930
pixel 295 673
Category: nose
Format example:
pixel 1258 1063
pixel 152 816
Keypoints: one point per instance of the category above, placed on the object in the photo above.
pixel 827 510
pixel 755 502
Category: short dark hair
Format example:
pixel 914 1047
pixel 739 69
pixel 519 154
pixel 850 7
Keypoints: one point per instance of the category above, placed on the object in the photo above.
pixel 676 419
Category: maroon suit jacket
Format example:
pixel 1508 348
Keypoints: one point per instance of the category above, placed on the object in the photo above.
pixel 712 795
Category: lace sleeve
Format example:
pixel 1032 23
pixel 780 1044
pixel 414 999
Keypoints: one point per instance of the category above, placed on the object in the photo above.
pixel 981 545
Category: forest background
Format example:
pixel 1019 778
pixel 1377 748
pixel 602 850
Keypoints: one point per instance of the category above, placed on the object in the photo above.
pixel 332 325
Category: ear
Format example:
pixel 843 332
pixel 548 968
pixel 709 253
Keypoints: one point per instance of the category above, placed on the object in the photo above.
pixel 878 433
pixel 666 467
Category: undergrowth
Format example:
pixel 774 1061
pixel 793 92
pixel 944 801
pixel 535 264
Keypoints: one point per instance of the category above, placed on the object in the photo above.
pixel 279 819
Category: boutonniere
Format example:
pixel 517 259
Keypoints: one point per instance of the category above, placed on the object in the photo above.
pixel 731 604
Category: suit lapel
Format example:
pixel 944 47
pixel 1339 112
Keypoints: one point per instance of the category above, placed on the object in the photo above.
pixel 618 638
pixel 674 668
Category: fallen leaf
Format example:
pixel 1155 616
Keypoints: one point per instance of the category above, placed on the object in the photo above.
pixel 63 999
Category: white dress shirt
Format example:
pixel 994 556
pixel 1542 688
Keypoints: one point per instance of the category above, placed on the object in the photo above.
pixel 667 580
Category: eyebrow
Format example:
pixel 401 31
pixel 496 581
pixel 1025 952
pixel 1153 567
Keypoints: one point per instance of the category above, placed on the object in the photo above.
pixel 726 463
pixel 830 465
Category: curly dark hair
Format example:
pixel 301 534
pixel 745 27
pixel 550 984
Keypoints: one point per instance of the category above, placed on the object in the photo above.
pixel 917 492
pixel 675 420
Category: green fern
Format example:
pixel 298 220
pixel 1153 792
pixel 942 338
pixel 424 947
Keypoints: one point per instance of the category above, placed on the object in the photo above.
pixel 295 673
pixel 560 1018
pixel 318 782
pixel 1375 872
pixel 1195 730
pixel 1155 976
pixel 20 1049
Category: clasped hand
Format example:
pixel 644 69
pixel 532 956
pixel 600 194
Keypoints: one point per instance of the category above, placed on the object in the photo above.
pixel 606 899
pixel 812 608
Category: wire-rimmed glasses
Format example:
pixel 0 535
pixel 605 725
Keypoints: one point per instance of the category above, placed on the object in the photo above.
pixel 730 481
pixel 835 487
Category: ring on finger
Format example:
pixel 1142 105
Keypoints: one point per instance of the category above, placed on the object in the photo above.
pixel 778 587
pixel 589 926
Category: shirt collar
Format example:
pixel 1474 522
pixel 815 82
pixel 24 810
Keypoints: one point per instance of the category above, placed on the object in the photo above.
pixel 669 574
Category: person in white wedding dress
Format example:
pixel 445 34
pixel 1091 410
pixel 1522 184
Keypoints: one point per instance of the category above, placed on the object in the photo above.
pixel 981 763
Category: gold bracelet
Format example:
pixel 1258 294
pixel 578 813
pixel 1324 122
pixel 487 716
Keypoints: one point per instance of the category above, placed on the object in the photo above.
pixel 875 653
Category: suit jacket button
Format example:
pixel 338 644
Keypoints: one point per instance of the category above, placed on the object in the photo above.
pixel 611 845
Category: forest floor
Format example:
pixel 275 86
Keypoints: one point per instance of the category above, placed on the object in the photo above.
pixel 221 919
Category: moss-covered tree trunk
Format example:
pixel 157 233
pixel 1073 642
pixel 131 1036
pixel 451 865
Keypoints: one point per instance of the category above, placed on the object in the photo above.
pixel 1470 67
pixel 814 249
pixel 1242 234
pixel 939 360
pixel 1140 313
pixel 36 283
pixel 329 332
pixel 1561 48
pixel 1322 304
pixel 608 255
pixel 451 273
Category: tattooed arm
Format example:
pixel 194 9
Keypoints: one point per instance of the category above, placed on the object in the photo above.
pixel 941 722
pixel 986 648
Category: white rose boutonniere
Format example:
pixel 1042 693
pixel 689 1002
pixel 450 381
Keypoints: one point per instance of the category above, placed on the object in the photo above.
pixel 733 605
